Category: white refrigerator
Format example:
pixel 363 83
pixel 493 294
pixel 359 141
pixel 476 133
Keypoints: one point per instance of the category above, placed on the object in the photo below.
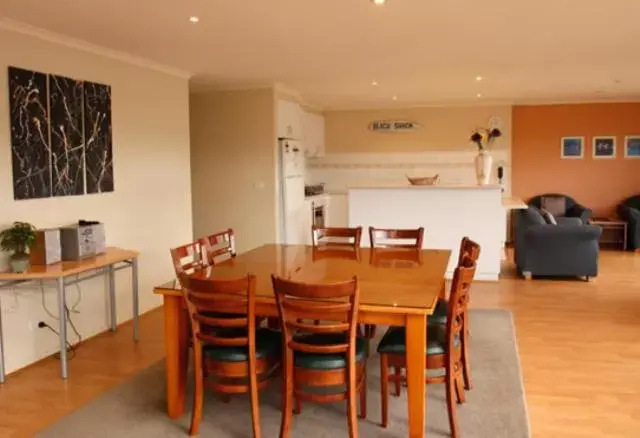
pixel 291 175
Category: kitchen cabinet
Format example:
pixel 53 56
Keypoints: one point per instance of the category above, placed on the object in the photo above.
pixel 313 125
pixel 337 212
pixel 289 116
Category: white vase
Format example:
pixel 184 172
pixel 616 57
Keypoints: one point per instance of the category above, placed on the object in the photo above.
pixel 484 164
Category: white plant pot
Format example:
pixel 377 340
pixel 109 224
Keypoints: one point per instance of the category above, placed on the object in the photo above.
pixel 484 164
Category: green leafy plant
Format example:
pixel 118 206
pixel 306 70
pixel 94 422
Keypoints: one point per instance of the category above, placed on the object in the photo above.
pixel 18 239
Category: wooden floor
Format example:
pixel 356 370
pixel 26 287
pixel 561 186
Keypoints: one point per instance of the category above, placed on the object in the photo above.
pixel 579 345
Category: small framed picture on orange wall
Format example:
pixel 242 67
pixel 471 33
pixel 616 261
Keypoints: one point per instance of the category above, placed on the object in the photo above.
pixel 632 146
pixel 572 147
pixel 604 147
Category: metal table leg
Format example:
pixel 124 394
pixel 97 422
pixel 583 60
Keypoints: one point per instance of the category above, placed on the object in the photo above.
pixel 2 376
pixel 134 288
pixel 62 311
pixel 113 319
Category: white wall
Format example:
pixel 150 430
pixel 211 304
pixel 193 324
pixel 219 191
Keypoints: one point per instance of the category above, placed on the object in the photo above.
pixel 150 209
pixel 233 159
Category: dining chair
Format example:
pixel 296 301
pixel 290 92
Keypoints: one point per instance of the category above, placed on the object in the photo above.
pixel 328 355
pixel 188 258
pixel 443 349
pixel 336 237
pixel 229 345
pixel 397 239
pixel 471 249
pixel 219 247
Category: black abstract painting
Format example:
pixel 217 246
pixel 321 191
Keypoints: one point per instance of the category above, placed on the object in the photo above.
pixel 30 151
pixel 97 134
pixel 67 139
pixel 61 141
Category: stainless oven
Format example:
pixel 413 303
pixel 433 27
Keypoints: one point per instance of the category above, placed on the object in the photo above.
pixel 318 212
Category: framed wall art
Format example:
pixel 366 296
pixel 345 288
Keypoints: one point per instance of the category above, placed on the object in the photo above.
pixel 572 147
pixel 632 146
pixel 604 147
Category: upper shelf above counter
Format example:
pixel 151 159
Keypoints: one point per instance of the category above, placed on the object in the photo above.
pixel 431 187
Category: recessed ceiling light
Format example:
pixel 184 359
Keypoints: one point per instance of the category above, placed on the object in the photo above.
pixel 194 19
pixel 395 97
pixel 478 78
pixel 479 95
pixel 379 2
pixel 374 83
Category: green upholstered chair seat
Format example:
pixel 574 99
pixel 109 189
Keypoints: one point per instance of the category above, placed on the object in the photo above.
pixel 394 341
pixel 439 316
pixel 268 344
pixel 318 361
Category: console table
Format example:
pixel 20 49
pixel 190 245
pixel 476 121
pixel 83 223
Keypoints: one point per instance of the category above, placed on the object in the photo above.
pixel 107 263
pixel 614 231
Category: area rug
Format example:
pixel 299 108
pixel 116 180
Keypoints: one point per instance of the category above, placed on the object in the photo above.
pixel 495 407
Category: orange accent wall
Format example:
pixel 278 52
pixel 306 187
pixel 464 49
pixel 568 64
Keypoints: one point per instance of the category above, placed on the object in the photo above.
pixel 599 184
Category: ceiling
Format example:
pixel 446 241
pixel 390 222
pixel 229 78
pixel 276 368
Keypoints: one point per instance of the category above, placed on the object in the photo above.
pixel 424 52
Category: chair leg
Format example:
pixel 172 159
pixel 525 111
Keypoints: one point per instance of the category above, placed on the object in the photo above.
pixel 352 392
pixel 466 363
pixel 451 404
pixel 363 392
pixel 398 380
pixel 226 398
pixel 287 396
pixel 297 405
pixel 255 402
pixel 198 375
pixel 384 389
pixel 461 396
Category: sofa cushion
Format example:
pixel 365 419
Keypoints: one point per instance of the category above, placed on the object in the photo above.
pixel 533 216
pixel 556 205
pixel 548 217
pixel 564 221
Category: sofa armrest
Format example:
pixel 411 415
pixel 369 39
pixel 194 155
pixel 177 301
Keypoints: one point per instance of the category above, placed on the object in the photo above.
pixel 630 214
pixel 561 235
pixel 580 211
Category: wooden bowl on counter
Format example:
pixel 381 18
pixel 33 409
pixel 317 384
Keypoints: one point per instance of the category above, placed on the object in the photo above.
pixel 423 181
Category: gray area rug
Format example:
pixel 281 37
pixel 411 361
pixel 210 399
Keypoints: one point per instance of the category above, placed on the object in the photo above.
pixel 495 407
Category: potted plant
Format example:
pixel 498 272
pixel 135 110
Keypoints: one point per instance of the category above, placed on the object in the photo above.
pixel 18 240
pixel 484 138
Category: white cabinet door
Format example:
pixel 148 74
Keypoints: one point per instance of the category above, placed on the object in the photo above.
pixel 313 134
pixel 337 211
pixel 289 119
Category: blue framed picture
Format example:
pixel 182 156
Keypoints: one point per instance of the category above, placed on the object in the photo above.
pixel 632 146
pixel 604 147
pixel 572 147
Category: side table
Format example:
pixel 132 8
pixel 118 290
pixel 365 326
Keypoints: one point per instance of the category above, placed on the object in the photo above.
pixel 614 232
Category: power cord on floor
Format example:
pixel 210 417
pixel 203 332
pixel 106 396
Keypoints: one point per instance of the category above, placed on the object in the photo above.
pixel 70 348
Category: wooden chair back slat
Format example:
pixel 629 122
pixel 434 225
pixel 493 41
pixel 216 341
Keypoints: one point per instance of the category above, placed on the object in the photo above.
pixel 236 296
pixel 470 248
pixel 392 238
pixel 336 237
pixel 188 258
pixel 299 301
pixel 459 298
pixel 219 247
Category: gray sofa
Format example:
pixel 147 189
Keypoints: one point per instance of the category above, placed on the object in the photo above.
pixel 629 210
pixel 569 249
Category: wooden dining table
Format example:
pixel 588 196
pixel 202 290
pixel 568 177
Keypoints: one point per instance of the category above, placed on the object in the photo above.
pixel 397 288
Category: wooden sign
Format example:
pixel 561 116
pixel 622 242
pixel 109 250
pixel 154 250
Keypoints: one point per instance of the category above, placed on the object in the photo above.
pixel 393 126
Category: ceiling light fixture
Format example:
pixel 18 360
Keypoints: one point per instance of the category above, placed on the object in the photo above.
pixel 478 78
pixel 395 97
pixel 379 2
pixel 374 83
pixel 194 19
pixel 479 95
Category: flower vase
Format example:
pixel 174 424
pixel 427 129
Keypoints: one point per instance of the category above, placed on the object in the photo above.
pixel 484 163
